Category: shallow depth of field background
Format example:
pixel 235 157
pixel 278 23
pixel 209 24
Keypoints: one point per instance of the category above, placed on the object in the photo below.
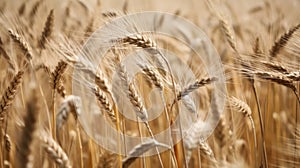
pixel 242 31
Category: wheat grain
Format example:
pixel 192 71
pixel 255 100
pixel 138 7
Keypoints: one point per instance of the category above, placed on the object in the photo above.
pixel 295 76
pixel 7 142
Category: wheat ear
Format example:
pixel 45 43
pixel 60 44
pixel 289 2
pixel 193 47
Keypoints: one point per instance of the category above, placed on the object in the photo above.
pixel 139 41
pixel 103 99
pixel 141 148
pixel 22 8
pixel 150 45
pixel 107 160
pixel 48 29
pixel 137 103
pixel 282 41
pixel 154 77
pixel 228 31
pixel 10 92
pixel 28 134
pixel 221 134
pixel 71 104
pixel 207 151
pixel 244 108
pixel 133 95
pixel 23 45
pixel 102 82
pixel 197 84
pixel 7 145
pixel 56 81
pixel 56 75
pixel 33 11
pixel 55 152
pixel 276 67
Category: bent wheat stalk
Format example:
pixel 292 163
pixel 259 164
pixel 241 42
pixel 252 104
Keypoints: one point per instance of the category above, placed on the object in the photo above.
pixel 140 149
pixel 136 101
pixel 244 108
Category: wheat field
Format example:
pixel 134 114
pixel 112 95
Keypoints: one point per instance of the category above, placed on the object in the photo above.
pixel 80 87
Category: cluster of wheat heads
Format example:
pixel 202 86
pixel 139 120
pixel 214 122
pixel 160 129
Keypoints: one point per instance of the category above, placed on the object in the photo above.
pixel 259 44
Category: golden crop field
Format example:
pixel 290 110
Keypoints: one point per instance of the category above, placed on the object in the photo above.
pixel 140 83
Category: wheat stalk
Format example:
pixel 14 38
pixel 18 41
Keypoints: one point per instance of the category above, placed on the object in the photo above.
pixel 244 108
